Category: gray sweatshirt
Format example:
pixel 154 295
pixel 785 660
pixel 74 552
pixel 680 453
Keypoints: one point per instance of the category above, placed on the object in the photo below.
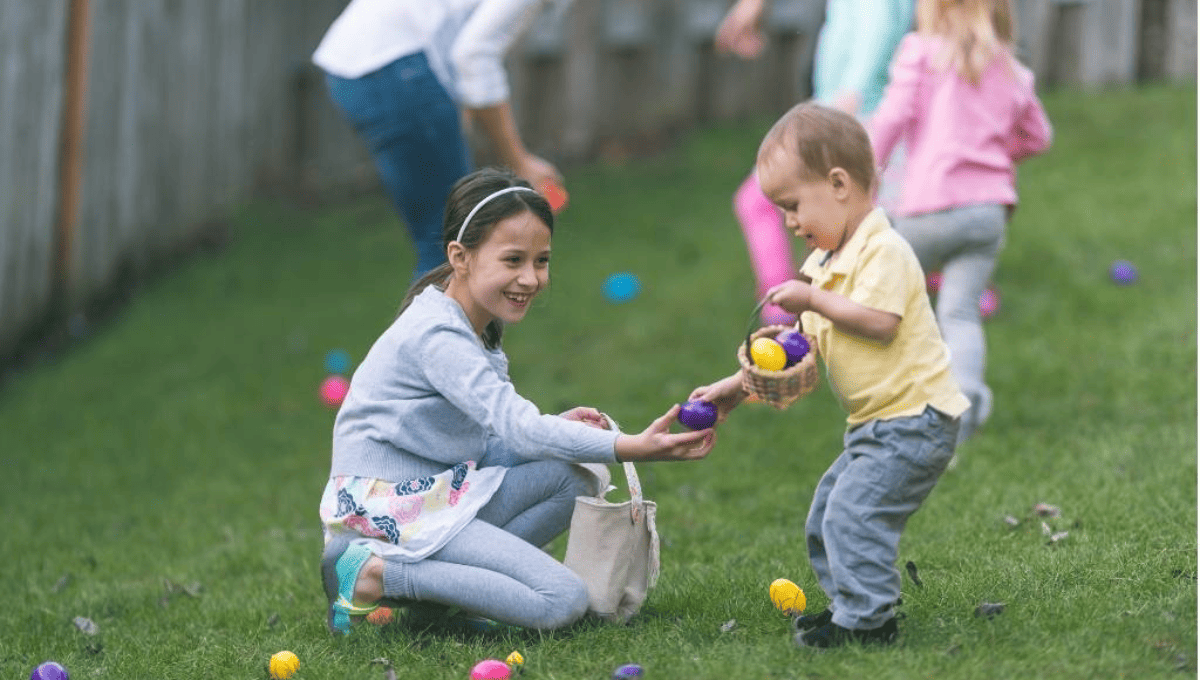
pixel 429 395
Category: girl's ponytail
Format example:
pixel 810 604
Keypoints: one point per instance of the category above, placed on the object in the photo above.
pixel 438 275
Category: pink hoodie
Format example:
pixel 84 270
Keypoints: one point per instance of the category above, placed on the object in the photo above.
pixel 963 141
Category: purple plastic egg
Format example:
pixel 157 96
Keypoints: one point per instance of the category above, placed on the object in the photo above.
pixel 794 344
pixel 1123 272
pixel 49 671
pixel 698 415
pixel 628 671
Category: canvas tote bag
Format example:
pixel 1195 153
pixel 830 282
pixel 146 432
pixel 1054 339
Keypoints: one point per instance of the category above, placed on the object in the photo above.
pixel 613 547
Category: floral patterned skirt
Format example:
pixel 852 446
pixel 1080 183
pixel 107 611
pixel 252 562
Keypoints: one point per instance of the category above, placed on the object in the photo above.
pixel 410 519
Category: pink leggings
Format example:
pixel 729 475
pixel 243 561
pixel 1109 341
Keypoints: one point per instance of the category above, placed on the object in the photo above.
pixel 767 241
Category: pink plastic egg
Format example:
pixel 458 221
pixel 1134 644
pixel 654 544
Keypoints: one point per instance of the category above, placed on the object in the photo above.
pixel 989 303
pixel 491 669
pixel 333 390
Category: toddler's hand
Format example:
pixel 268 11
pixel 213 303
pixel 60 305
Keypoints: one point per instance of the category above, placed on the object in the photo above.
pixel 725 394
pixel 795 296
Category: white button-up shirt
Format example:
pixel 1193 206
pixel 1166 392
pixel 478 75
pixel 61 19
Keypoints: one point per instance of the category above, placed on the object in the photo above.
pixel 464 40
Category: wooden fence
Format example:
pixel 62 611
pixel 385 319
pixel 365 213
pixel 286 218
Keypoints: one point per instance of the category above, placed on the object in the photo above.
pixel 130 127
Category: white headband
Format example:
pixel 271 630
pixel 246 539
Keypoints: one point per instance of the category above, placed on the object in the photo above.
pixel 507 190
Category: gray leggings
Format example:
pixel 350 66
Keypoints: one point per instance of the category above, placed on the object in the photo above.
pixel 963 243
pixel 494 567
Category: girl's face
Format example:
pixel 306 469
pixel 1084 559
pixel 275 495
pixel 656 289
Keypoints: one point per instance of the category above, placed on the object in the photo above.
pixel 813 209
pixel 500 278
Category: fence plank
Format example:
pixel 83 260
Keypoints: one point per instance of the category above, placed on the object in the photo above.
pixel 32 60
pixel 1180 60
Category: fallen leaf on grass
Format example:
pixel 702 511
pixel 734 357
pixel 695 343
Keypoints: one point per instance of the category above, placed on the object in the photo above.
pixel 388 670
pixel 192 589
pixel 171 589
pixel 989 609
pixel 1056 537
pixel 911 567
pixel 86 625
pixel 1047 510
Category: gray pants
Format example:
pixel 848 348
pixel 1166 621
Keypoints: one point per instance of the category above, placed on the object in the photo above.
pixel 860 508
pixel 494 567
pixel 963 243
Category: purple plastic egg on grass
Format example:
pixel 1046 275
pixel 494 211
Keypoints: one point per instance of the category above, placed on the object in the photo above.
pixel 698 415
pixel 627 672
pixel 1123 272
pixel 49 671
pixel 794 344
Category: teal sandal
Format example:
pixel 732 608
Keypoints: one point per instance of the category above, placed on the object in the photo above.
pixel 340 567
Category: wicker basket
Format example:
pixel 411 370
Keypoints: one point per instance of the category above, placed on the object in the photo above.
pixel 780 388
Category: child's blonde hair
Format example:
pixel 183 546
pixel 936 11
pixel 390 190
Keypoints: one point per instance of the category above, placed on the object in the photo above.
pixel 823 138
pixel 977 31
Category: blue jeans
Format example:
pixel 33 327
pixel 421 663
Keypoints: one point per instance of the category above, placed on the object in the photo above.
pixel 861 506
pixel 963 243
pixel 494 567
pixel 413 130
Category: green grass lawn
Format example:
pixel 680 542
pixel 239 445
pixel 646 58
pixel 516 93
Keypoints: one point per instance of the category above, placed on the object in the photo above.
pixel 163 476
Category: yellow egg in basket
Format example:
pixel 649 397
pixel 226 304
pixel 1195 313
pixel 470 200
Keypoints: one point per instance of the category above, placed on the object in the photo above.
pixel 768 354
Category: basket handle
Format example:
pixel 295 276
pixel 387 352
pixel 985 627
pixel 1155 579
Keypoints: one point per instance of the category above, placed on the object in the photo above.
pixel 631 478
pixel 752 325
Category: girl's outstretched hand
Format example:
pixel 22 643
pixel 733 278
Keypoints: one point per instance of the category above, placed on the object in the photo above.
pixel 657 442
pixel 586 415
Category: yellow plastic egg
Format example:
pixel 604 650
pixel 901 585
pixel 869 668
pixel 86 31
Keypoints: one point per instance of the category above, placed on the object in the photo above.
pixel 283 665
pixel 787 596
pixel 768 354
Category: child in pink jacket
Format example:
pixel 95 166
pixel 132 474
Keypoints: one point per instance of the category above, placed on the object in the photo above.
pixel 967 112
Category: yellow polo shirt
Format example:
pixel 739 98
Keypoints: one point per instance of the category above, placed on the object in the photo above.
pixel 877 268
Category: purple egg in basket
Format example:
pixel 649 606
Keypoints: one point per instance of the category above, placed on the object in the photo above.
pixel 794 344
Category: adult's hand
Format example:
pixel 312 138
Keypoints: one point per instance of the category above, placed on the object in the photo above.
pixel 739 32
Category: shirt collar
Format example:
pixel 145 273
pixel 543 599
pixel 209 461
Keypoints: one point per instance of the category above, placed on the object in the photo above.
pixel 875 222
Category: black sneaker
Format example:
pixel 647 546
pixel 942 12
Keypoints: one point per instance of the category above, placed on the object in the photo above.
pixel 833 635
pixel 810 621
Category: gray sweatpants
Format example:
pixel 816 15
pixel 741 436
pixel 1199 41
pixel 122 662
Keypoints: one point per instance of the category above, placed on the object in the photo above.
pixel 494 567
pixel 860 508
pixel 963 243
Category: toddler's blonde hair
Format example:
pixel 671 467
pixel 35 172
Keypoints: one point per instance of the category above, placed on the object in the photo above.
pixel 823 138
pixel 977 30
